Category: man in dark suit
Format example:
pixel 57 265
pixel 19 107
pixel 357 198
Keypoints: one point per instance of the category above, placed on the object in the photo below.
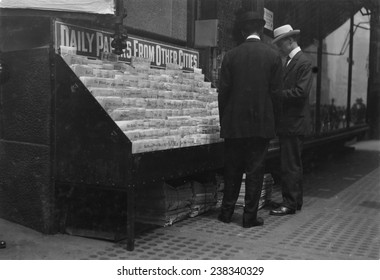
pixel 250 81
pixel 294 119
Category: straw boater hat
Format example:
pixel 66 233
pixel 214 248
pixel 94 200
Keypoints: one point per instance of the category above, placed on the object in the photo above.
pixel 251 16
pixel 283 31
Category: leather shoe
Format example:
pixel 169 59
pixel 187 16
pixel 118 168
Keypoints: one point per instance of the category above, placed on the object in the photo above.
pixel 224 219
pixel 258 222
pixel 282 211
pixel 299 207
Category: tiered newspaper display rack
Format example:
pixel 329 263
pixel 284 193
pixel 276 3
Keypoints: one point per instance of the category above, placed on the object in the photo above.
pixel 120 124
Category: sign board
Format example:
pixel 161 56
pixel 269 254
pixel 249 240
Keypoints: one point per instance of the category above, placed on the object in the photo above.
pixel 92 43
pixel 206 33
pixel 84 6
pixel 268 17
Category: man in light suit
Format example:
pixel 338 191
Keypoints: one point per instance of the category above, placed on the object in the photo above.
pixel 294 119
pixel 250 83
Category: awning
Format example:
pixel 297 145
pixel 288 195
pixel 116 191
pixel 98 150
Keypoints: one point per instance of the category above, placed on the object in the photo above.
pixel 84 6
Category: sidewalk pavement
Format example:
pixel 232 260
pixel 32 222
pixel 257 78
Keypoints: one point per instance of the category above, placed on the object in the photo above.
pixel 340 220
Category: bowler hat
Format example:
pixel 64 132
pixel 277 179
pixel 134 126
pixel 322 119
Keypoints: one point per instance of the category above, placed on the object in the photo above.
pixel 251 16
pixel 284 31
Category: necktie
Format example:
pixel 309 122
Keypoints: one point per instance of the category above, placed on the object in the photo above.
pixel 287 60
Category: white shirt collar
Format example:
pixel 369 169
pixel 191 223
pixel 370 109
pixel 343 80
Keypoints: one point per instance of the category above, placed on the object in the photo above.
pixel 253 36
pixel 294 52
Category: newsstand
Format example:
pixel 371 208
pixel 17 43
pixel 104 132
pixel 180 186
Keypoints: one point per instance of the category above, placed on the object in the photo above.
pixel 75 118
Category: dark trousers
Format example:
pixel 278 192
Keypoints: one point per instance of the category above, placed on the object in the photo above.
pixel 291 170
pixel 243 155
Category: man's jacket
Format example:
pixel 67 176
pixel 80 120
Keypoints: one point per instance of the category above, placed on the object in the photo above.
pixel 295 109
pixel 250 84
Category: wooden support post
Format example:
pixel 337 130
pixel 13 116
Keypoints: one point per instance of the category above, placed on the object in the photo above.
pixel 131 218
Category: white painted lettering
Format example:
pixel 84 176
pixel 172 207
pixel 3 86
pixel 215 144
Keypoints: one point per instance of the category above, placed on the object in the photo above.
pixel 135 47
pixel 158 55
pixel 141 50
pixel 79 47
pixel 163 55
pixel 195 60
pixel 73 39
pixel 84 43
pixel 99 43
pixel 90 38
pixel 129 49
pixel 146 51
pixel 167 56
pixel 106 47
pixel 175 57
pixel 151 53
pixel 64 35
pixel 180 53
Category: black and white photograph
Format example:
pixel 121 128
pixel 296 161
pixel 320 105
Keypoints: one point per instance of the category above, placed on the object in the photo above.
pixel 167 139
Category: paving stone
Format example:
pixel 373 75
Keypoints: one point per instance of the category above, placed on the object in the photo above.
pixel 340 219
